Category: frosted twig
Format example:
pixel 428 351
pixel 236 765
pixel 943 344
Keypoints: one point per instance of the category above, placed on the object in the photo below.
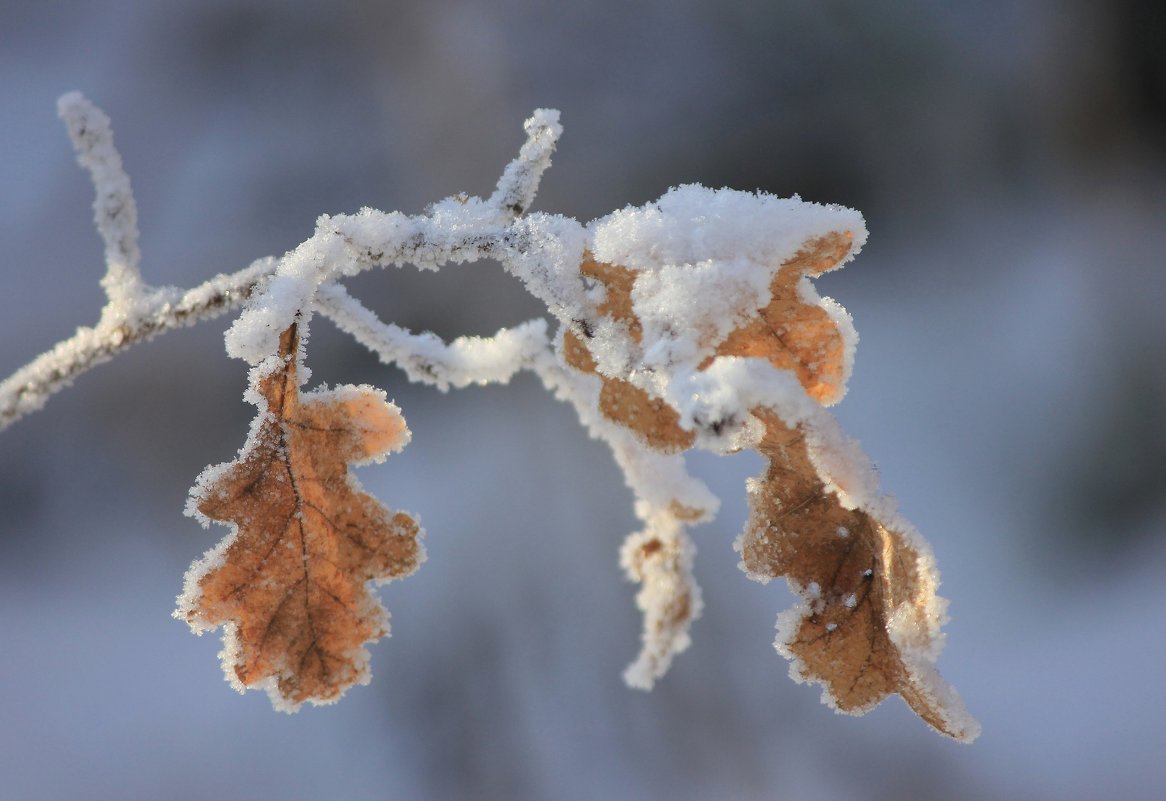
pixel 114 211
pixel 345 245
pixel 659 557
pixel 134 311
pixel 520 179
pixel 425 358
pixel 457 229
pixel 31 386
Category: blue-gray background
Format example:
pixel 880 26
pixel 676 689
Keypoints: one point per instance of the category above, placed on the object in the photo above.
pixel 1009 158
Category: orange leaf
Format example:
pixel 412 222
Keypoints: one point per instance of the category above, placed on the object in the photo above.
pixel 290 581
pixel 653 420
pixel 869 623
pixel 793 332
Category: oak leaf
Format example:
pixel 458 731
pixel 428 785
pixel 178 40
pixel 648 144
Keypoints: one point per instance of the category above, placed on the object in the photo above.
pixel 869 625
pixel 793 332
pixel 289 583
pixel 869 621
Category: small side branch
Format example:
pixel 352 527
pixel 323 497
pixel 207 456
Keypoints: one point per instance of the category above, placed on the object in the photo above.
pixel 425 358
pixel 520 180
pixel 114 211
pixel 134 311
pixel 658 557
pixel 668 500
pixel 28 389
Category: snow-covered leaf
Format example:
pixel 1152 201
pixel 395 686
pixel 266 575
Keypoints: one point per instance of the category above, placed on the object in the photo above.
pixel 869 622
pixel 289 582
pixel 794 330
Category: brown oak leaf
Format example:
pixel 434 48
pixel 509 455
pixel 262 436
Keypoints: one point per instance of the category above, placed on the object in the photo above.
pixel 869 623
pixel 289 584
pixel 793 334
pixel 790 332
pixel 651 418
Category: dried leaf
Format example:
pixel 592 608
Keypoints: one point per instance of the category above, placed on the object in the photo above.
pixel 290 582
pixel 793 332
pixel 869 623
pixel 795 335
pixel 618 282
pixel 619 400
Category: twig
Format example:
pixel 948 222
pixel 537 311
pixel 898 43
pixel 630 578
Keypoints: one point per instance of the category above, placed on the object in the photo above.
pixel 457 229
pixel 425 358
pixel 520 179
pixel 28 389
pixel 114 211
pixel 345 244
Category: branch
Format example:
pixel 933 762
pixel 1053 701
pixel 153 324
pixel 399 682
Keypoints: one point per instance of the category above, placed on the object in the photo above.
pixel 520 179
pixel 135 312
pixel 114 211
pixel 687 322
pixel 28 389
pixel 457 229
pixel 425 358
pixel 668 500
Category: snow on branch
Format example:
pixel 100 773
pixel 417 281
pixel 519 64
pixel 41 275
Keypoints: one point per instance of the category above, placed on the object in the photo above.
pixel 425 358
pixel 455 230
pixel 29 388
pixel 114 210
pixel 689 322
pixel 135 312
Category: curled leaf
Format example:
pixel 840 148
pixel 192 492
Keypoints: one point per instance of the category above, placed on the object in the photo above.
pixel 796 330
pixel 621 401
pixel 869 621
pixel 289 583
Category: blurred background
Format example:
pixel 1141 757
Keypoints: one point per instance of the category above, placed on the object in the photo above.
pixel 1010 158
